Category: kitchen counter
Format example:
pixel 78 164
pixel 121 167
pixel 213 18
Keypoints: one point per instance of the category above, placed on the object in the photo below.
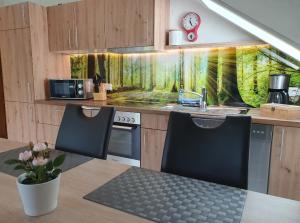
pixel 165 109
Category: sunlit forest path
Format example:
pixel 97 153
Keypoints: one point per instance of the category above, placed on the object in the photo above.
pixel 231 75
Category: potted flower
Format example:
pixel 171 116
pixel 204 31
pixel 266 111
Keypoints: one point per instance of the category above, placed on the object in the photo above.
pixel 38 186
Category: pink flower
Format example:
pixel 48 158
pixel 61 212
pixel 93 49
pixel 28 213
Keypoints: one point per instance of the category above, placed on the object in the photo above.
pixel 39 161
pixel 25 156
pixel 39 147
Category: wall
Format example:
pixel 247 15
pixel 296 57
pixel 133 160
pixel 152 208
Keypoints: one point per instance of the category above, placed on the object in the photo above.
pixel 214 29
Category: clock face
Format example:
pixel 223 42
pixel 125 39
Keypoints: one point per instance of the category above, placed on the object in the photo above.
pixel 190 21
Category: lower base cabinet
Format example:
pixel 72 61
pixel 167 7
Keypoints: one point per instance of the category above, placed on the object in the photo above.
pixel 47 133
pixel 152 145
pixel 21 122
pixel 284 180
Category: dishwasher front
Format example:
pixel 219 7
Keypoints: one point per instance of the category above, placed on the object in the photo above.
pixel 259 157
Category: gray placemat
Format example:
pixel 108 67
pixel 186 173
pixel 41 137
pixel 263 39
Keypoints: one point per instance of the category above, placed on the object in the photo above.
pixel 72 160
pixel 168 198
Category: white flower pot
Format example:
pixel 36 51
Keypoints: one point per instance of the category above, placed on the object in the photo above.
pixel 38 199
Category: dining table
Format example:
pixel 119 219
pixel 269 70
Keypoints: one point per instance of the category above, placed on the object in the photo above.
pixel 81 180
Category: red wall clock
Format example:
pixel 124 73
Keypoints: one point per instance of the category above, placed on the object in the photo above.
pixel 191 23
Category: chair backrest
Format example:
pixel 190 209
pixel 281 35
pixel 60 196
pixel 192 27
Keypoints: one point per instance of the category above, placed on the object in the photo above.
pixel 218 155
pixel 84 135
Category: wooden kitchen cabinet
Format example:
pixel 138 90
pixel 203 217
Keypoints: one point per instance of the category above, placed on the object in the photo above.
pixel 77 26
pixel 49 114
pixel 101 24
pixel 91 25
pixel 47 133
pixel 153 136
pixel 62 25
pixel 14 16
pixel 129 23
pixel 16 57
pixel 21 124
pixel 284 180
pixel 152 146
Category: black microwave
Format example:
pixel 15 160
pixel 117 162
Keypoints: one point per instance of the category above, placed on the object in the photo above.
pixel 71 89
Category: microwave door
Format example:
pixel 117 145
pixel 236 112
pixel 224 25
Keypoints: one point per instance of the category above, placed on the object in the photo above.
pixel 63 89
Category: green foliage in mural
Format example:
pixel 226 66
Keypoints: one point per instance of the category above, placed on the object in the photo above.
pixel 231 75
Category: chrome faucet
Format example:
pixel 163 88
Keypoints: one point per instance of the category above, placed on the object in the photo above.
pixel 202 98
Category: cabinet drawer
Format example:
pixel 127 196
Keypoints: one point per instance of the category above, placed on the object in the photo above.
pixel 152 121
pixel 14 16
pixel 49 114
pixel 47 133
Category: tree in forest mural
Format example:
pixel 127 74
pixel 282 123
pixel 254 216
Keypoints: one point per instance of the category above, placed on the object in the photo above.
pixel 233 76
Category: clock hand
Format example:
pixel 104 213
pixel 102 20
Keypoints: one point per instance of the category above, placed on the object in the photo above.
pixel 191 22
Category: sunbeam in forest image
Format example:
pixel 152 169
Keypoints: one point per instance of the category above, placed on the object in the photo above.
pixel 235 76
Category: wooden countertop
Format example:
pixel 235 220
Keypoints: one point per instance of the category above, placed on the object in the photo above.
pixel 160 109
pixel 79 181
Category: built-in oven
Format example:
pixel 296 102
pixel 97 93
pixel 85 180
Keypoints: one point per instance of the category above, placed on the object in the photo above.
pixel 125 140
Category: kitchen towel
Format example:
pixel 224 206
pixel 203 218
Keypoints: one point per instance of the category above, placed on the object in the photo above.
pixel 163 197
pixel 72 160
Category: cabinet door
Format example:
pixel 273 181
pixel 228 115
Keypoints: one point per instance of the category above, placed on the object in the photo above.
pixel 14 16
pixel 16 57
pixel 152 146
pixel 47 133
pixel 62 27
pixel 129 23
pixel 285 163
pixel 20 119
pixel 90 25
pixel 49 114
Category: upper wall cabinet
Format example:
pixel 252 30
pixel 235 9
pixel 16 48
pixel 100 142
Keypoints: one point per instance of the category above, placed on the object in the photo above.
pixel 62 27
pixel 14 16
pixel 129 23
pixel 101 24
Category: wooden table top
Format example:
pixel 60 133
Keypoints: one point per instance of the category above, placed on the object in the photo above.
pixel 75 183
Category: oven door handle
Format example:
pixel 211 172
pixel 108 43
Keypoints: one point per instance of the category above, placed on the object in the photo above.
pixel 122 127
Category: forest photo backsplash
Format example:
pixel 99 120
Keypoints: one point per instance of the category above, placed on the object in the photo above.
pixel 231 75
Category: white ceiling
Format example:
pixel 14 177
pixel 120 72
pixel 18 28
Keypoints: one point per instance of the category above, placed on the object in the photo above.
pixel 280 16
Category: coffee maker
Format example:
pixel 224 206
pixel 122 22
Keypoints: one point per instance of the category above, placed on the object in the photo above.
pixel 279 88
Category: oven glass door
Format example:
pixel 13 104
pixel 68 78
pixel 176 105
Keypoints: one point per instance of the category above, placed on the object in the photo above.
pixel 63 88
pixel 125 141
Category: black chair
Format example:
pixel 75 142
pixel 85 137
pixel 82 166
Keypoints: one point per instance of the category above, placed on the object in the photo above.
pixel 83 135
pixel 218 154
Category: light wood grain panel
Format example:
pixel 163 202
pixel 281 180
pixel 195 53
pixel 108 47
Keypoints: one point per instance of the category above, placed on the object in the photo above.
pixel 45 64
pixel 21 124
pixel 49 114
pixel 129 23
pixel 285 165
pixel 16 56
pixel 153 121
pixel 152 145
pixel 47 133
pixel 161 23
pixel 14 16
pixel 62 26
pixel 90 25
